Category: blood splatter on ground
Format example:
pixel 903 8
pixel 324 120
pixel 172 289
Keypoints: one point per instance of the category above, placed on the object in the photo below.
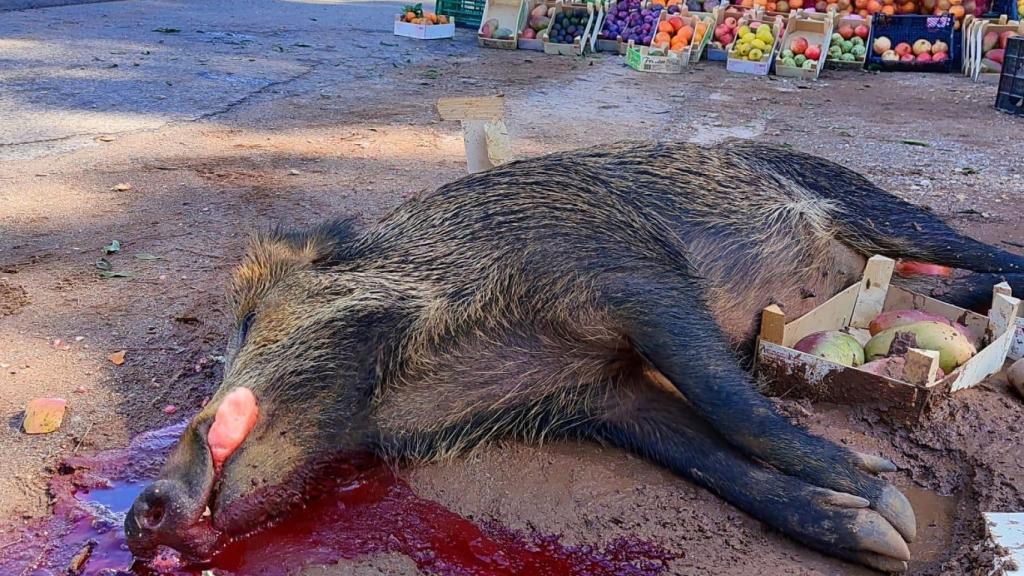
pixel 368 511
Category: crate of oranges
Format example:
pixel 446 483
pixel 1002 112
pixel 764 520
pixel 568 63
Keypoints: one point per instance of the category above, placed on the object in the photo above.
pixel 413 22
pixel 679 41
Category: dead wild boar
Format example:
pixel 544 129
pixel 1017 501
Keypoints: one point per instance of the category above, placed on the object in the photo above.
pixel 545 298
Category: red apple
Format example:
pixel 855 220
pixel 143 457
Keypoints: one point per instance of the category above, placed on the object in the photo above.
pixel 940 57
pixel 813 52
pixel 903 49
pixel 862 31
pixel 730 22
pixel 846 31
pixel 798 45
pixel 906 57
pixel 924 58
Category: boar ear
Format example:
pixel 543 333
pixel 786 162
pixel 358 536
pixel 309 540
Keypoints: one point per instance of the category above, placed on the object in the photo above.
pixel 274 254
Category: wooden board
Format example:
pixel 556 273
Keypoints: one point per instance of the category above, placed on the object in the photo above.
pixel 471 108
pixel 835 314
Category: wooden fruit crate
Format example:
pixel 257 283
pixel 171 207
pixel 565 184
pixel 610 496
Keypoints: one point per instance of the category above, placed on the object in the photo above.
pixel 849 64
pixel 533 44
pixel 793 373
pixel 507 13
pixel 581 42
pixel 974 33
pixel 816 30
pixel 762 67
pixel 722 54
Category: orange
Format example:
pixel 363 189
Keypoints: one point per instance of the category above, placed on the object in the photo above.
pixel 957 11
pixel 662 38
pixel 665 27
pixel 796 4
pixel 442 19
pixel 410 16
pixel 432 17
pixel 874 6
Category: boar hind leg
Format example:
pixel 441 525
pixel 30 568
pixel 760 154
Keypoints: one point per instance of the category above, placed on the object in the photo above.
pixel 668 323
pixel 664 429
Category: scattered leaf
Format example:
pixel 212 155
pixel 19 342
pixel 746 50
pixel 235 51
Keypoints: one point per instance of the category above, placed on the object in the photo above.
pixel 103 264
pixel 432 74
pixel 167 30
pixel 383 43
pixel 122 187
pixel 915 143
pixel 44 415
pixel 106 138
pixel 968 170
pixel 113 247
pixel 111 274
pixel 301 45
pixel 117 357
pixel 147 256
pixel 278 47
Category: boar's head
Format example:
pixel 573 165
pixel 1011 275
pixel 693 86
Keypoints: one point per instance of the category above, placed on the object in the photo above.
pixel 299 375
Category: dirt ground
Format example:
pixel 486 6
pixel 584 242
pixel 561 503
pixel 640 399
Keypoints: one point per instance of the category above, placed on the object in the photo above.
pixel 352 130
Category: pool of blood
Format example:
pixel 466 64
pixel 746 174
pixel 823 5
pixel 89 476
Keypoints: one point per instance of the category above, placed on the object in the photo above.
pixel 366 511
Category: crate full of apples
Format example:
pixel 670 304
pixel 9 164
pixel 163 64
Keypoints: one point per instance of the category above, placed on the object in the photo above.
pixel 848 48
pixel 804 46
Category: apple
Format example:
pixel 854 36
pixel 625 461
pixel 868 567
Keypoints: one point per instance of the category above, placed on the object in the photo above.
pixel 940 57
pixel 890 56
pixel 906 57
pixel 846 31
pixel 861 31
pixel 730 22
pixel 903 49
pixel 939 46
pixel 924 58
pixel 813 52
pixel 798 45
pixel 882 45
pixel 922 46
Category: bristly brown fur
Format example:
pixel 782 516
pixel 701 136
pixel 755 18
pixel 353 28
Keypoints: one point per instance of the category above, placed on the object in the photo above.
pixel 536 300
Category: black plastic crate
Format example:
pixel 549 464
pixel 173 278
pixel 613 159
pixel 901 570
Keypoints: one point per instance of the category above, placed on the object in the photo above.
pixel 1010 97
pixel 910 28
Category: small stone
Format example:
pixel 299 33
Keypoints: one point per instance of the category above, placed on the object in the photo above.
pixel 294 172
pixel 170 409
pixel 117 357
pixel 122 187
pixel 44 415
pixel 79 338
pixel 81 390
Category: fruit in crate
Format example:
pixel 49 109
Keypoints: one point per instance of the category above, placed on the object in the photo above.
pixel 414 14
pixel 725 32
pixel 568 26
pixel 953 347
pixel 993 49
pixel 881 45
pixel 629 20
pixel 839 347
pixel 753 45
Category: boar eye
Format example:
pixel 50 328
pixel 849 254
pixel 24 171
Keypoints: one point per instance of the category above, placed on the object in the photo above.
pixel 243 329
